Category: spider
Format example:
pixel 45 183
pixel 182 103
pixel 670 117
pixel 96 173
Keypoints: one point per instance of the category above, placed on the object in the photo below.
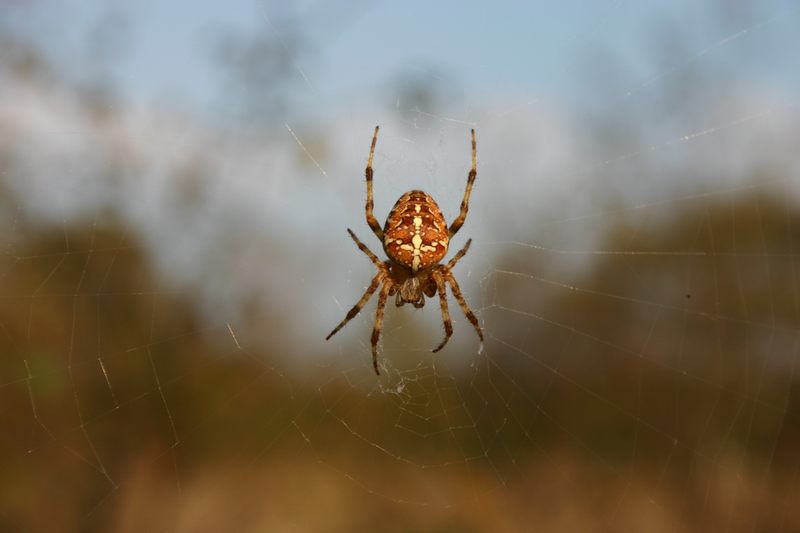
pixel 415 238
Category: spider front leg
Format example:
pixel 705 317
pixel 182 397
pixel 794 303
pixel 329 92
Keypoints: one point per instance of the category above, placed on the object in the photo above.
pixel 371 220
pixel 462 216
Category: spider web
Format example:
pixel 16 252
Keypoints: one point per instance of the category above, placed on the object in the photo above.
pixel 166 283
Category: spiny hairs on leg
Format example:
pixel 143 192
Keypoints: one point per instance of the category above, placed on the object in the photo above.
pixel 461 253
pixel 473 172
pixel 371 220
pixel 379 277
pixel 363 247
pixel 448 323
pixel 463 304
pixel 376 329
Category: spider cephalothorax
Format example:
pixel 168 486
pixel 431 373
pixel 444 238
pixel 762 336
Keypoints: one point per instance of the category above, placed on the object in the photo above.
pixel 415 237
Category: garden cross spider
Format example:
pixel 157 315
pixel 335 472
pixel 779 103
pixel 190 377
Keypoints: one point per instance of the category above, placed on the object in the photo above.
pixel 415 238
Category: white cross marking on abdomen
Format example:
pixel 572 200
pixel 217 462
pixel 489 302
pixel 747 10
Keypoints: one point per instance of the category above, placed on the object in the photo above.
pixel 416 240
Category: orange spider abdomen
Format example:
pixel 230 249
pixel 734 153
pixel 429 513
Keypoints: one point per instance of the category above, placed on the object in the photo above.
pixel 415 234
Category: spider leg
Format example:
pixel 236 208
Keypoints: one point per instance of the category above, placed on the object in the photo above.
pixel 459 221
pixel 356 308
pixel 463 303
pixel 448 323
pixel 371 220
pixel 461 253
pixel 363 247
pixel 376 330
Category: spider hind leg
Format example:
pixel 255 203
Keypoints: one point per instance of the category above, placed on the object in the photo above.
pixel 379 277
pixel 448 323
pixel 376 329
pixel 463 304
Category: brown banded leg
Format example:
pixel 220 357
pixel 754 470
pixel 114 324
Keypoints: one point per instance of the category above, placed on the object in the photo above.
pixel 376 329
pixel 371 220
pixel 448 323
pixel 360 304
pixel 461 253
pixel 463 303
pixel 363 247
pixel 459 221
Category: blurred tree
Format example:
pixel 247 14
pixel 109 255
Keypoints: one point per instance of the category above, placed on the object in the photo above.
pixel 421 93
pixel 261 71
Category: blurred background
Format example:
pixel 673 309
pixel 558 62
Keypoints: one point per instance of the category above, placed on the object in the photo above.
pixel 175 184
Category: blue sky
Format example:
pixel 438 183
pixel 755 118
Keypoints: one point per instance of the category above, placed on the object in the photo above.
pixel 355 48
